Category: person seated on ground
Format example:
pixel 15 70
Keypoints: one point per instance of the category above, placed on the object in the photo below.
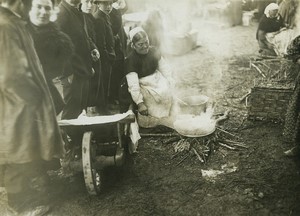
pixel 292 124
pixel 148 78
pixel 271 21
pixel 54 48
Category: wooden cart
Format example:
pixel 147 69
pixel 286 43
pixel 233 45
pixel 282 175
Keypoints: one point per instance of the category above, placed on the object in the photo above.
pixel 99 148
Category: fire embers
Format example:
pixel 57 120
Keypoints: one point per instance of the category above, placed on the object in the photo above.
pixel 202 148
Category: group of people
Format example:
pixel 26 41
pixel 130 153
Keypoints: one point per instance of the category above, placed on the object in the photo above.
pixel 84 49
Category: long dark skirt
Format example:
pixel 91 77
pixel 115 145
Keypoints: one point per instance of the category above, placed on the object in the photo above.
pixel 96 90
pixel 75 96
pixel 292 121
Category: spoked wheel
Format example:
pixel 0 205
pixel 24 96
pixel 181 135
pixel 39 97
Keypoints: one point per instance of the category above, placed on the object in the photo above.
pixel 93 178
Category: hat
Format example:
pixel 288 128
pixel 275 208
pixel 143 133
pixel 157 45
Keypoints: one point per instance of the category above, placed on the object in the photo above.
pixel 134 31
pixel 270 7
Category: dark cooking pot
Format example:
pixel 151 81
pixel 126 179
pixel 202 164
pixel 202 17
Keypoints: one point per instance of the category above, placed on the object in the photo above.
pixel 193 104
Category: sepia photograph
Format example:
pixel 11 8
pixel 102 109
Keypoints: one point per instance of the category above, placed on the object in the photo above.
pixel 149 108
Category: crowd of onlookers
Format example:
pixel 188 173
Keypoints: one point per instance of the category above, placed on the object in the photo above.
pixel 83 45
pixel 84 50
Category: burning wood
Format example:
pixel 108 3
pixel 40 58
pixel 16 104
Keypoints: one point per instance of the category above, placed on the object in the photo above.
pixel 196 136
pixel 226 146
pixel 202 147
pixel 182 145
pixel 197 154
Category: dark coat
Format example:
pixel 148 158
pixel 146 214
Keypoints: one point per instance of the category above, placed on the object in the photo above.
pixel 70 21
pixel 54 49
pixel 106 44
pixel 96 88
pixel 118 66
pixel 28 126
pixel 291 129
pixel 105 36
pixel 268 25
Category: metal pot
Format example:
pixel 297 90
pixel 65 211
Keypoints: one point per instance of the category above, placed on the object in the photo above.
pixel 194 126
pixel 193 104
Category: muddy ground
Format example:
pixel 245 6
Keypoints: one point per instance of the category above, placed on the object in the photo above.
pixel 157 182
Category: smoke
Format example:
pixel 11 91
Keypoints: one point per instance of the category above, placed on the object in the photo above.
pixel 194 75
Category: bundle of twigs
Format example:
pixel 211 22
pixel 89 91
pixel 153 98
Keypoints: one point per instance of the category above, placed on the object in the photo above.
pixel 202 147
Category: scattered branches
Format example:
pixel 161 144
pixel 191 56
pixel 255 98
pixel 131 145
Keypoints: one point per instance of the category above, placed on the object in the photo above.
pixel 202 147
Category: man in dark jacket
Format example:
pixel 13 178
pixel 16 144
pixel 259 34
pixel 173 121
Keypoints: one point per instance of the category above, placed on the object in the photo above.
pixel 79 71
pixel 29 134
pixel 77 74
pixel 106 40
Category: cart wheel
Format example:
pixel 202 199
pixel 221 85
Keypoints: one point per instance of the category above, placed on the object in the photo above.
pixel 92 177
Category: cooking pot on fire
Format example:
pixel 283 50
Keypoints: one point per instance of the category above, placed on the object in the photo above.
pixel 194 126
pixel 194 105
pixel 198 126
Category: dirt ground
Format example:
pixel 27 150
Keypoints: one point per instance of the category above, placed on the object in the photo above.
pixel 157 182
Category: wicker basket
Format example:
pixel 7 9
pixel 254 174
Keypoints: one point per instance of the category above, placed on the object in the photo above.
pixel 268 103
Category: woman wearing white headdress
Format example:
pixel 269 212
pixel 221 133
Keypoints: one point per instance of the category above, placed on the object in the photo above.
pixel 271 21
pixel 148 77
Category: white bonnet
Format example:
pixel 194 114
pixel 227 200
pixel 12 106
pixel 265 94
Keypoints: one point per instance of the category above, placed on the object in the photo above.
pixel 270 7
pixel 134 31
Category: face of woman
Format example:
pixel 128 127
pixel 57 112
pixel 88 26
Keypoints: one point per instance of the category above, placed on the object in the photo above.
pixel 86 6
pixel 273 13
pixel 40 12
pixel 142 46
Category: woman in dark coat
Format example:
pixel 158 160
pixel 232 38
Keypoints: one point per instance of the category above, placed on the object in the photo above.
pixel 54 49
pixel 29 134
pixel 78 73
pixel 96 91
pixel 292 124
pixel 105 41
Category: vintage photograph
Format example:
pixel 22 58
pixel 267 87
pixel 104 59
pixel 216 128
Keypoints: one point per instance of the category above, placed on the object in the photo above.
pixel 149 107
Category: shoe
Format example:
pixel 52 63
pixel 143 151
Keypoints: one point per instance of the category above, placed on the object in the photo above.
pixel 37 211
pixel 293 152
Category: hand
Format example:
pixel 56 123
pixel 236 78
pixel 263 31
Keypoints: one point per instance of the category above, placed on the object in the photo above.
pixel 142 109
pixel 93 72
pixel 95 55
pixel 283 29
pixel 298 61
pixel 270 46
pixel 70 79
